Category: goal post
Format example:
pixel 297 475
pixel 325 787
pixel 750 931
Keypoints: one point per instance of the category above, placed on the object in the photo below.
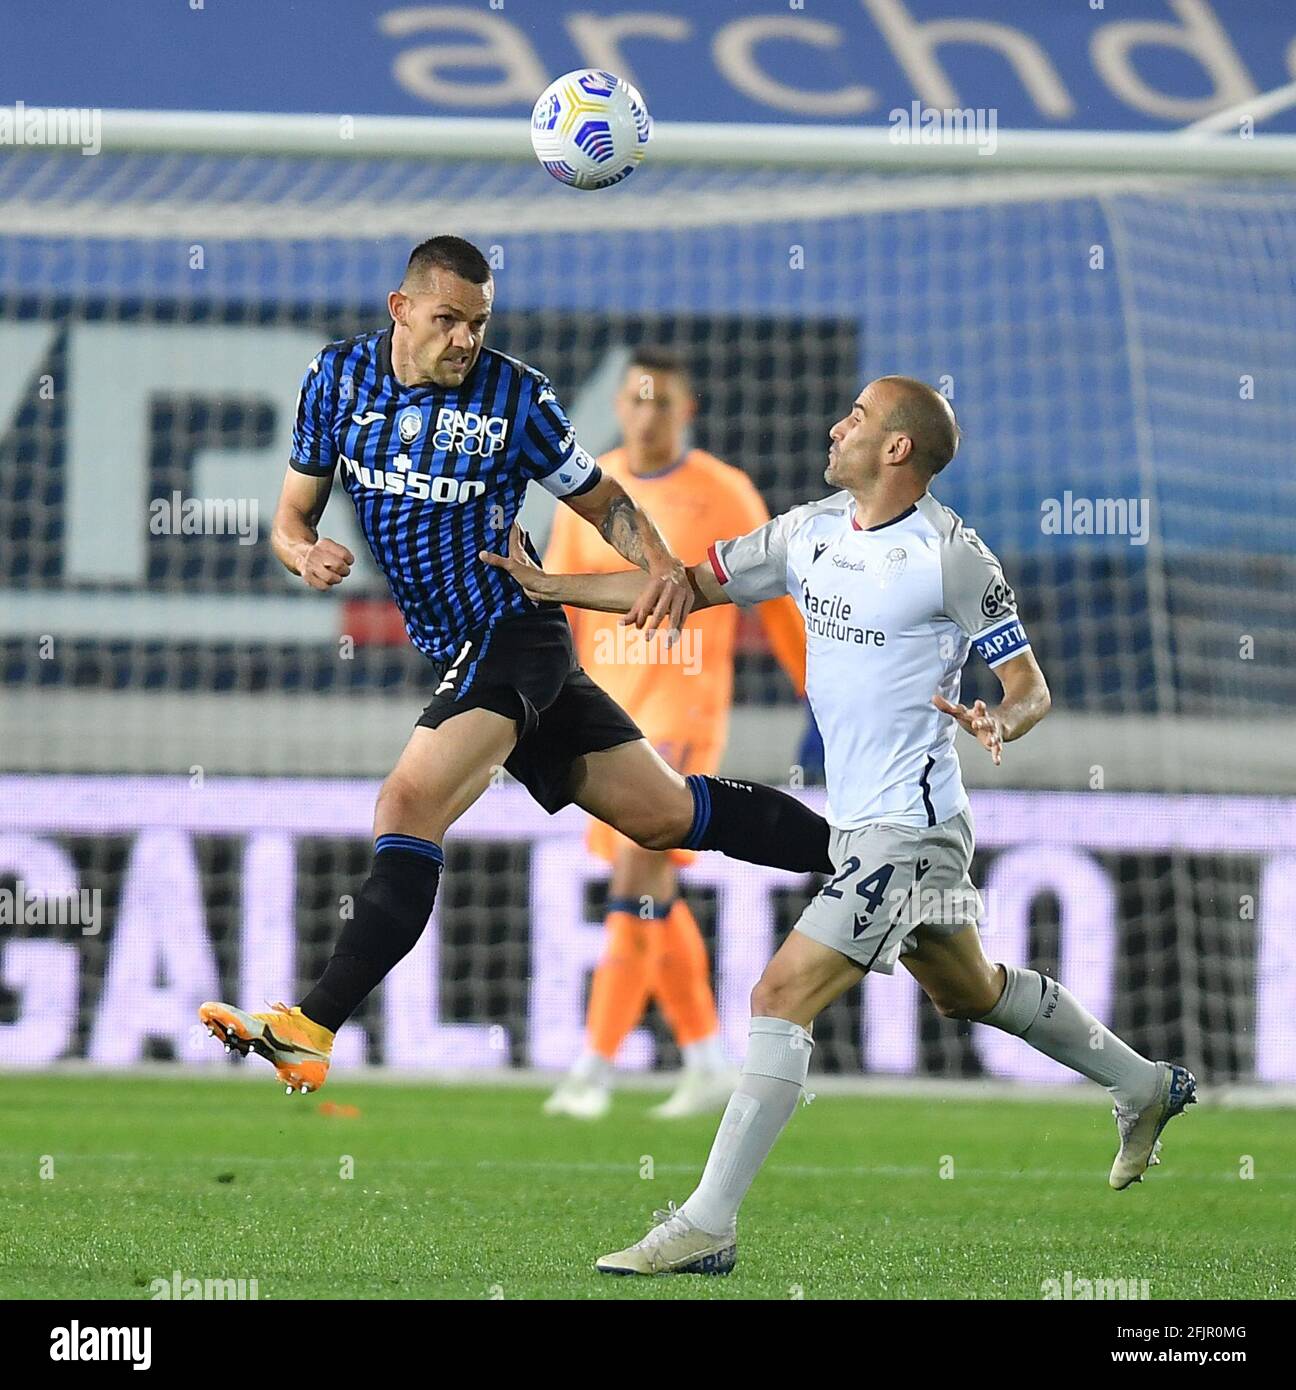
pixel 1199 150
pixel 1112 317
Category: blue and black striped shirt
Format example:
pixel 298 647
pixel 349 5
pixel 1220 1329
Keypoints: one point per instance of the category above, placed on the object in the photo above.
pixel 437 474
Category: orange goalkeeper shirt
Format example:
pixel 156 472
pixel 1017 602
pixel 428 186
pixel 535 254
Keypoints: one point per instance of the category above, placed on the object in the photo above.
pixel 682 694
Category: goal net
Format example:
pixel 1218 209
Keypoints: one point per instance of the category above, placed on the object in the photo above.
pixel 190 741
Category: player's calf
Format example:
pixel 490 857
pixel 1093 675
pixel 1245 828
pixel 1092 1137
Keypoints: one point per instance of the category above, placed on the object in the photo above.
pixel 757 824
pixel 630 788
pixel 951 967
pixel 392 908
pixel 1047 1016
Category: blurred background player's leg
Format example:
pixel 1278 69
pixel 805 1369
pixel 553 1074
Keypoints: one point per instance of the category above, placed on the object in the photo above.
pixel 687 1001
pixel 654 948
pixel 683 981
pixel 639 896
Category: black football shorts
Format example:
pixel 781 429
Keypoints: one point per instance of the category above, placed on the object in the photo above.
pixel 524 667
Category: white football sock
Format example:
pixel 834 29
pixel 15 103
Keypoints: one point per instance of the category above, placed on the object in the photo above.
pixel 705 1055
pixel 778 1057
pixel 1052 1020
pixel 592 1068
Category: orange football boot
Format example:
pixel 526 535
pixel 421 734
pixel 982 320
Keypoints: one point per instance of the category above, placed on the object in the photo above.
pixel 296 1047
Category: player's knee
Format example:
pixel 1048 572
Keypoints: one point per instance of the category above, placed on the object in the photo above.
pixel 656 811
pixel 400 802
pixel 968 1005
pixel 659 828
pixel 646 834
pixel 949 1006
pixel 775 998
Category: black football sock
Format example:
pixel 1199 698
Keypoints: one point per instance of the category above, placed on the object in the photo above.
pixel 757 824
pixel 391 910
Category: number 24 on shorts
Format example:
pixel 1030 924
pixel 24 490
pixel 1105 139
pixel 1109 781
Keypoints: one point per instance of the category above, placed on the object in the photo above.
pixel 871 888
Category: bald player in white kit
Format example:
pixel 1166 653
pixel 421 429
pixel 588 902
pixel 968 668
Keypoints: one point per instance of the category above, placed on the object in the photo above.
pixel 896 591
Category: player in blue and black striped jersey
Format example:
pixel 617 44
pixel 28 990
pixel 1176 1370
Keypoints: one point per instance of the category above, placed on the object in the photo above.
pixel 435 438
pixel 437 468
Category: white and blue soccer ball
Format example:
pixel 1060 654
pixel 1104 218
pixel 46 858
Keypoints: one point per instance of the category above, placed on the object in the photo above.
pixel 590 129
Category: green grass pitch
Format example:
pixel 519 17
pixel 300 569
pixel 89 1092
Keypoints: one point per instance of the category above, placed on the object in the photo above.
pixel 472 1193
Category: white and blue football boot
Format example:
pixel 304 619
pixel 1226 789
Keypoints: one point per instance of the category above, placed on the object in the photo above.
pixel 1140 1130
pixel 674 1246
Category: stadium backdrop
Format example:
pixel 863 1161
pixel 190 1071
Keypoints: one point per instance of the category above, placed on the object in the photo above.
pixel 1088 65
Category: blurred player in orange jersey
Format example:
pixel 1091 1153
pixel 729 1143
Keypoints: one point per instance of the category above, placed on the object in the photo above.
pixel 680 698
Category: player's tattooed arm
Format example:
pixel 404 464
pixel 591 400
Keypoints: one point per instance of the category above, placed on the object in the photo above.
pixel 1026 700
pixel 668 597
pixel 294 538
pixel 619 526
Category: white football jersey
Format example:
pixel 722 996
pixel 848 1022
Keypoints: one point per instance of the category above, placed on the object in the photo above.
pixel 891 614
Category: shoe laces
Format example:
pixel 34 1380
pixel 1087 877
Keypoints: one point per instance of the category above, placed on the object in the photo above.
pixel 1128 1115
pixel 671 1222
pixel 1126 1119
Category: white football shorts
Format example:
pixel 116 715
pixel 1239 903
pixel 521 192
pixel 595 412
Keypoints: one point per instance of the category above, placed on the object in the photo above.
pixel 892 881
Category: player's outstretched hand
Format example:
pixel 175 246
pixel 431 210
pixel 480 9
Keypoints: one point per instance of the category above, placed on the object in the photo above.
pixel 326 563
pixel 666 598
pixel 978 721
pixel 519 564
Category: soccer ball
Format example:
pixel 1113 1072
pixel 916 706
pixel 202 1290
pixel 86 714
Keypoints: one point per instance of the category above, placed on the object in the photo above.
pixel 590 129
